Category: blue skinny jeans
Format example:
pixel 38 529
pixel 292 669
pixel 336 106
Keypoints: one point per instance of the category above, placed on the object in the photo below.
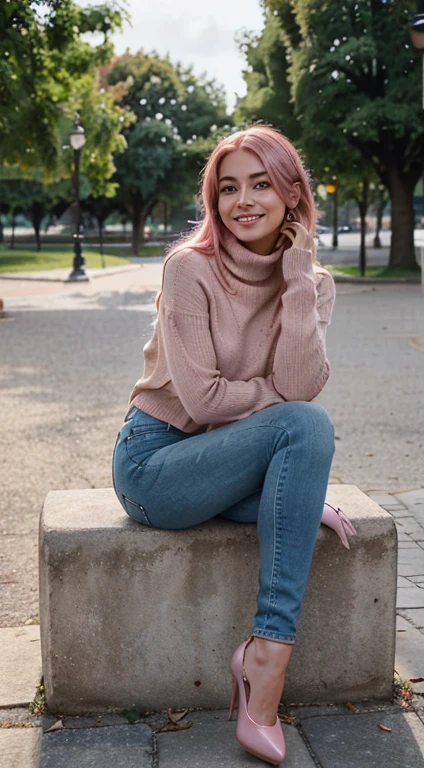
pixel 271 468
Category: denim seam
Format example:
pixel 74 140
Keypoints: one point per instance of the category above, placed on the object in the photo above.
pixel 140 507
pixel 269 635
pixel 278 525
pixel 136 463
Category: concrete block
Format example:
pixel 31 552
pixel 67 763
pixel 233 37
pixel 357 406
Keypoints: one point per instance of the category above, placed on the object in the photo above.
pixel 20 665
pixel 135 615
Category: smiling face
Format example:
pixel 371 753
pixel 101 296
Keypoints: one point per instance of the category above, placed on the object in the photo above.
pixel 248 204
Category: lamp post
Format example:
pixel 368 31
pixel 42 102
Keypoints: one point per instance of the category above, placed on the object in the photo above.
pixel 331 189
pixel 416 30
pixel 77 139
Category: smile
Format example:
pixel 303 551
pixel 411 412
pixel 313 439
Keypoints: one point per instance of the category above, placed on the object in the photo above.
pixel 247 219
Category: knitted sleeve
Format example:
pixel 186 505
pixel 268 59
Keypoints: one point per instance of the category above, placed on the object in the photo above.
pixel 301 368
pixel 206 395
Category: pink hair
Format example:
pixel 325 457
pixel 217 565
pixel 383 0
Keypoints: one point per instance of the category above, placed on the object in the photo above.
pixel 284 167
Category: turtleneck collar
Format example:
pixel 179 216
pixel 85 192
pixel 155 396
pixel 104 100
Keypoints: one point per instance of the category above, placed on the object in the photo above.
pixel 244 265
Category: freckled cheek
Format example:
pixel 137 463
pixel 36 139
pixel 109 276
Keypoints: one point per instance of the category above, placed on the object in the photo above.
pixel 224 210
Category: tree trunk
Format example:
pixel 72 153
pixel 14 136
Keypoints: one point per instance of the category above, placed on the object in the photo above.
pixel 363 208
pixel 135 216
pixel 100 225
pixel 138 211
pixel 12 239
pixel 335 241
pixel 380 203
pixel 37 214
pixel 1 231
pixel 401 187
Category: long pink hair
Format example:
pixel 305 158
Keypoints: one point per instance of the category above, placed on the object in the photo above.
pixel 285 169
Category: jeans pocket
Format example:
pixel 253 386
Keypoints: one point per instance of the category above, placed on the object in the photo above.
pixel 136 511
pixel 144 441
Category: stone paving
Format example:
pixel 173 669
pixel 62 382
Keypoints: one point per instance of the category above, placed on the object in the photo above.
pixel 365 735
pixel 62 424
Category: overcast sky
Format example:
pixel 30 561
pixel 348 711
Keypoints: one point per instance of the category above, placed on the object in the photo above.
pixel 195 32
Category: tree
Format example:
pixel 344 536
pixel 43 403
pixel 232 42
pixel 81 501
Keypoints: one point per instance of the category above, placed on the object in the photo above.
pixel 268 95
pixel 354 72
pixel 42 59
pixel 173 112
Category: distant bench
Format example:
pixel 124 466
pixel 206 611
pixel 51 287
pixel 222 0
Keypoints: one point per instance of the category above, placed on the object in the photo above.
pixel 136 615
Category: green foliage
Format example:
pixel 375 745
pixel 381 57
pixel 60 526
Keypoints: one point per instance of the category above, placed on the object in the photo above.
pixel 355 84
pixel 376 272
pixel 176 116
pixel 268 91
pixel 28 260
pixel 356 70
pixel 42 59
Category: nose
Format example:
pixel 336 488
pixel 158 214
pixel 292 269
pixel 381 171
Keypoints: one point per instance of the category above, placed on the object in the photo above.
pixel 244 199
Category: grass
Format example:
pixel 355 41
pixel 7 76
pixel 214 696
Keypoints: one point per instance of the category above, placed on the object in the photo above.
pixel 60 257
pixel 376 271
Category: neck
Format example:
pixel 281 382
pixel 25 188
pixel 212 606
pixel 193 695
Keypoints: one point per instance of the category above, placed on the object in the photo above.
pixel 263 247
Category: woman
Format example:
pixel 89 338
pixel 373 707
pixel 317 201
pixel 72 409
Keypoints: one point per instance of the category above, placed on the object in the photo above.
pixel 221 424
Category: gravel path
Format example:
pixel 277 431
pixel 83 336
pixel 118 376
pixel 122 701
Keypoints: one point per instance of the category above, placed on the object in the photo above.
pixel 68 361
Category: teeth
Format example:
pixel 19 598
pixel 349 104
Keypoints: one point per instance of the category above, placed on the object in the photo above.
pixel 248 218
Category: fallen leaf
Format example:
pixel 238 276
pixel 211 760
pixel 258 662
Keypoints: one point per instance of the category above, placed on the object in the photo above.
pixel 416 679
pixel 351 706
pixel 384 727
pixel 57 726
pixel 288 719
pixel 175 726
pixel 175 717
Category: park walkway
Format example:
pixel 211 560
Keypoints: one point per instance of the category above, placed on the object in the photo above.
pixel 68 362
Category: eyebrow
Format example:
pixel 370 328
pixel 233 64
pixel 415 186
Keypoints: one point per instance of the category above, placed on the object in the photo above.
pixel 251 176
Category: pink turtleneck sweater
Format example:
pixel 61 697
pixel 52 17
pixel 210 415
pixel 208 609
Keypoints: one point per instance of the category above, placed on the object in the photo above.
pixel 235 335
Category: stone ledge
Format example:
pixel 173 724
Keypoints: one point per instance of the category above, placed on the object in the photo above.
pixel 134 615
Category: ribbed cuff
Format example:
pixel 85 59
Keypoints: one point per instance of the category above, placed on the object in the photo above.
pixel 297 262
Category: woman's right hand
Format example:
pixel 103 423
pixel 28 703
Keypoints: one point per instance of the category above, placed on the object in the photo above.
pixel 298 235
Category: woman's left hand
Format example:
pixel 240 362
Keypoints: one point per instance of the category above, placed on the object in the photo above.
pixel 298 235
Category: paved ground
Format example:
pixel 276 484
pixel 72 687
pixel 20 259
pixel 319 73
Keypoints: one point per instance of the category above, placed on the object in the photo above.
pixel 362 735
pixel 68 360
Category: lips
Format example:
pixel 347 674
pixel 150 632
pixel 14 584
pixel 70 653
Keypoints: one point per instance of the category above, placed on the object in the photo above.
pixel 249 219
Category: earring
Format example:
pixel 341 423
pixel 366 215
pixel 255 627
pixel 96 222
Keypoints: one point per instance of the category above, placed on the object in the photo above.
pixel 290 216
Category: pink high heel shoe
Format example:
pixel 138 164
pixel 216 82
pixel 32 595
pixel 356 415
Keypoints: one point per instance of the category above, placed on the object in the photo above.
pixel 263 741
pixel 339 522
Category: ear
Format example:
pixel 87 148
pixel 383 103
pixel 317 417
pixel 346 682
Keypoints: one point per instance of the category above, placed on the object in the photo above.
pixel 294 196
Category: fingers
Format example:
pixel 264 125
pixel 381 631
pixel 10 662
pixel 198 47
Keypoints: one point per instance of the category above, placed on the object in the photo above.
pixel 297 234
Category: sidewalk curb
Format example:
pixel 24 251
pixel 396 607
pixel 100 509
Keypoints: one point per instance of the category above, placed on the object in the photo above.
pixel 42 277
pixel 338 278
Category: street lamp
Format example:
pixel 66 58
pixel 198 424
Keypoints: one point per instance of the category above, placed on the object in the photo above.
pixel 331 189
pixel 416 30
pixel 77 139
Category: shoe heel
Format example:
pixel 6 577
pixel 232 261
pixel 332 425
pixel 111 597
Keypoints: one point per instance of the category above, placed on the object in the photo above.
pixel 234 697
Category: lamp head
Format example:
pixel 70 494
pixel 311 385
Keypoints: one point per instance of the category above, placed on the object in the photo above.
pixel 416 30
pixel 77 137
